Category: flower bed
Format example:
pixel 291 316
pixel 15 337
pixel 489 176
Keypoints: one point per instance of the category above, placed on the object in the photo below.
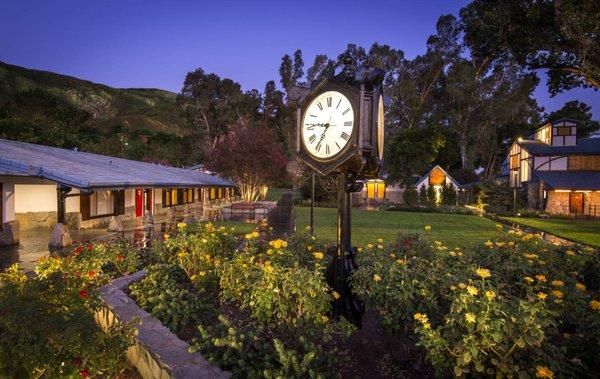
pixel 47 325
pixel 513 306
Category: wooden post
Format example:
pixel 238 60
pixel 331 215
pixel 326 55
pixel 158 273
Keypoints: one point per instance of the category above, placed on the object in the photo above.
pixel 61 193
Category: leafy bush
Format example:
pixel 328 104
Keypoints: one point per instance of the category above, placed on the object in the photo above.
pixel 47 326
pixel 424 198
pixel 166 292
pixel 411 196
pixel 513 306
pixel 449 195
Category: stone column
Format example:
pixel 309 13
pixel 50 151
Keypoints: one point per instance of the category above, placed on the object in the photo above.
pixel 9 226
pixel 60 236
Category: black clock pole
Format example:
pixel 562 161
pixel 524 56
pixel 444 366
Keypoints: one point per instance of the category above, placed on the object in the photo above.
pixel 342 265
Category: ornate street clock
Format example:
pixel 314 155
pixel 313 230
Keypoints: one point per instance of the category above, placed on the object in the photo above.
pixel 340 130
pixel 340 124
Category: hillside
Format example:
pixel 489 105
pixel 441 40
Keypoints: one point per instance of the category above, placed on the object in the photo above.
pixel 45 107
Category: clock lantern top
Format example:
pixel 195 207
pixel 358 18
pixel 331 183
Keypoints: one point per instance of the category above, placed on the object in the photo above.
pixel 340 123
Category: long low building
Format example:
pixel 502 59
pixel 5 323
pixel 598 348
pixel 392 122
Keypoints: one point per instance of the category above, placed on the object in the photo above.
pixel 41 186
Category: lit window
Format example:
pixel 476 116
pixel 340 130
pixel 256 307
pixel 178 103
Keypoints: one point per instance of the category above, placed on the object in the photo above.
pixel 102 203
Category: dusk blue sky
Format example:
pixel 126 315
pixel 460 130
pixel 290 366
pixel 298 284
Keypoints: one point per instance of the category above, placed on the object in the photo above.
pixel 155 43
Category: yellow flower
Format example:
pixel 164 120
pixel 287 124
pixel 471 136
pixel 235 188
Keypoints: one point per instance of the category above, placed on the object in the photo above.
pixel 490 294
pixel 369 246
pixel 595 305
pixel 401 261
pixel 380 247
pixel 181 225
pixel 318 255
pixel 483 273
pixel 570 252
pixel 377 278
pixel 392 255
pixel 541 278
pixel 181 255
pixel 530 256
pixel 470 317
pixel 270 252
pixel 580 287
pixel 461 285
pixel 511 243
pixel 255 234
pixel 542 296
pixel 335 295
pixel 380 240
pixel 427 228
pixel 202 273
pixel 278 244
pixel 543 372
pixel 421 317
pixel 267 267
pixel 499 244
pixel 499 226
pixel 528 236
pixel 472 290
pixel 324 319
pixel 489 244
pixel 557 294
pixel 166 237
pixel 528 279
pixel 558 283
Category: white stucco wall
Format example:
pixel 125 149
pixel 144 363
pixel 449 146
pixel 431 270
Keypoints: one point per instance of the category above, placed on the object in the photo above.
pixel 129 198
pixel 35 198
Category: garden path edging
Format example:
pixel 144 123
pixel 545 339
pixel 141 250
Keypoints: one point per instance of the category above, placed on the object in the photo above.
pixel 157 352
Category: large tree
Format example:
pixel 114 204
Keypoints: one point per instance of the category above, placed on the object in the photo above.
pixel 561 36
pixel 251 156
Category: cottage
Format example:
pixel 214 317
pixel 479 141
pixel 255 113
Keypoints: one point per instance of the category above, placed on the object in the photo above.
pixel 557 171
pixel 43 186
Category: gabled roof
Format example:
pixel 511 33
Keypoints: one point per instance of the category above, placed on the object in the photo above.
pixel 570 180
pixel 586 146
pixel 424 177
pixel 87 170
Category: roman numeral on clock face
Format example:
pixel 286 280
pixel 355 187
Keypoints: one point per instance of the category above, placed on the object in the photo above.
pixel 326 149
pixel 312 138
pixel 329 100
pixel 348 123
pixel 320 106
pixel 346 111
pixel 345 136
pixel 318 147
pixel 310 127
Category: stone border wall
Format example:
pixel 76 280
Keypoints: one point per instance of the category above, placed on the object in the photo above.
pixel 157 352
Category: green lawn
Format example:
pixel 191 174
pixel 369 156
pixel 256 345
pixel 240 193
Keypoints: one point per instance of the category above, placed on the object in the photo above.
pixel 584 231
pixel 368 226
pixel 241 227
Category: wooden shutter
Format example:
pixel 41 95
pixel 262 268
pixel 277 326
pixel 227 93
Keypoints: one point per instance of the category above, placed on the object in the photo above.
pixel 84 207
pixel 119 202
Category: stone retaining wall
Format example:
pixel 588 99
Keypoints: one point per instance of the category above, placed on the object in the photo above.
pixel 157 352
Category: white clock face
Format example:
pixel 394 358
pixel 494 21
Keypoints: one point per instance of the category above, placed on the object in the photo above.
pixel 327 125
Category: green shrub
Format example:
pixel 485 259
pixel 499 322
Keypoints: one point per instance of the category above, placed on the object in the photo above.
pixel 423 197
pixel 168 295
pixel 47 327
pixel 411 196
pixel 449 195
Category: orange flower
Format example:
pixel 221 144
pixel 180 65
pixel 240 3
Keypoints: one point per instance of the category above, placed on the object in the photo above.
pixel 91 274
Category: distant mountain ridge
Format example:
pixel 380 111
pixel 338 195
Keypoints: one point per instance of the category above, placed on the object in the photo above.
pixel 103 117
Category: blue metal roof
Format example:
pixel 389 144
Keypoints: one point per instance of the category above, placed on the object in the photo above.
pixel 570 180
pixel 87 170
pixel 586 146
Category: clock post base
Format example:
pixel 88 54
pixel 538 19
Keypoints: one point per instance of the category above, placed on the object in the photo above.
pixel 343 264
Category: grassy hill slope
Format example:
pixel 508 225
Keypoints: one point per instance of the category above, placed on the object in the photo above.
pixel 45 107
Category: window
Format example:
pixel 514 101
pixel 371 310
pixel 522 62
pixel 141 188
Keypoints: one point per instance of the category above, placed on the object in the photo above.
pixel 177 196
pixel 514 162
pixel 212 195
pixel 563 131
pixel 102 203
pixel 220 193
pixel 437 178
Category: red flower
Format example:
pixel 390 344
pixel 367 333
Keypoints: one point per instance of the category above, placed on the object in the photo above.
pixel 76 361
pixel 120 258
pixel 90 247
pixel 407 243
pixel 84 373
pixel 83 294
pixel 79 250
pixel 91 274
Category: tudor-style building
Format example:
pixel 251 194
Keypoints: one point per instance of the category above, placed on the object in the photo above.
pixel 559 172
pixel 41 186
